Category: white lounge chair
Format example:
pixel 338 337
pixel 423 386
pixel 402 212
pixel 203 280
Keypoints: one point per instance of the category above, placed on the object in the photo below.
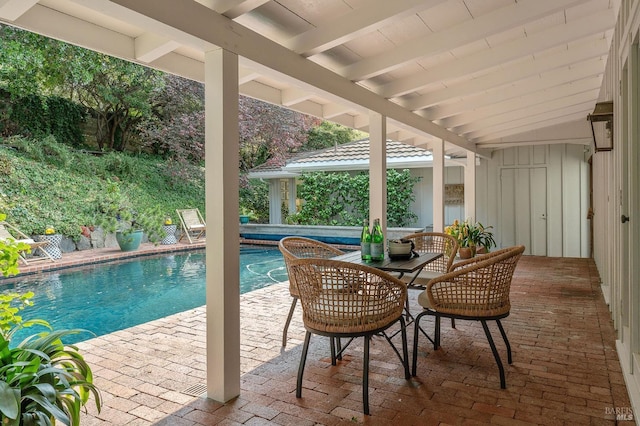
pixel 193 225
pixel 10 232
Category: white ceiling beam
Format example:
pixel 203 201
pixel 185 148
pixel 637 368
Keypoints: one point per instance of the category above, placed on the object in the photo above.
pixel 393 135
pixel 467 32
pixel 542 120
pixel 54 24
pixel 533 98
pixel 373 16
pixel 13 9
pixel 528 110
pixel 293 95
pixel 490 140
pixel 257 90
pixel 183 66
pixel 113 10
pixel 512 73
pixel 307 107
pixel 577 131
pixel 202 23
pixel 345 120
pixel 332 110
pixel 243 7
pixel 61 26
pixel 489 58
pixel 409 140
pixel 149 47
pixel 361 122
pixel 246 75
pixel 588 70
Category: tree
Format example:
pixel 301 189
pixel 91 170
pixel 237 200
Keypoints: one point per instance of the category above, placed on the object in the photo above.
pixel 329 134
pixel 175 130
pixel 268 133
pixel 118 92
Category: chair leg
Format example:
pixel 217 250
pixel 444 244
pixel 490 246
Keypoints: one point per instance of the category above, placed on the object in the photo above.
pixel 303 359
pixel 506 341
pixel 286 324
pixel 436 334
pixel 503 384
pixel 453 323
pixel 332 345
pixel 405 349
pixel 365 376
pixel 415 340
pixel 339 348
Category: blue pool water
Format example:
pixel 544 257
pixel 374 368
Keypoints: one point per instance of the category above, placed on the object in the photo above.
pixel 108 297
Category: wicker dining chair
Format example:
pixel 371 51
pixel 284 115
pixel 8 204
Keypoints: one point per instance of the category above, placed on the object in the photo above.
pixel 300 247
pixel 477 290
pixel 432 242
pixel 346 300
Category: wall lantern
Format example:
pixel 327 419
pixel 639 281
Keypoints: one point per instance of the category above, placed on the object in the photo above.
pixel 602 126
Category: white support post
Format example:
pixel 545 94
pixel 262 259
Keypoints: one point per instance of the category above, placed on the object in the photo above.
pixel 378 169
pixel 223 246
pixel 470 187
pixel 275 202
pixel 438 186
pixel 293 195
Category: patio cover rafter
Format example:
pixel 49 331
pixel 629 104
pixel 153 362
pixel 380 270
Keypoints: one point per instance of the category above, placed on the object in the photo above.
pixel 199 22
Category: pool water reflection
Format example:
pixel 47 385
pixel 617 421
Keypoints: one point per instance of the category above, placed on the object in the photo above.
pixel 104 298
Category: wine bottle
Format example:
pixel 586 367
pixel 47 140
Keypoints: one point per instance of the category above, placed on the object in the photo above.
pixel 365 242
pixel 377 242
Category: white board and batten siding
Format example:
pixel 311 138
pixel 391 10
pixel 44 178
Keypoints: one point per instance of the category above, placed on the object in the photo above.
pixel 538 196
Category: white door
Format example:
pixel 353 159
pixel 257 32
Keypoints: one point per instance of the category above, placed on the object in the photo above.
pixel 538 185
pixel 523 209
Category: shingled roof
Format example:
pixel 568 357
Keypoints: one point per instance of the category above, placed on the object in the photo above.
pixel 348 156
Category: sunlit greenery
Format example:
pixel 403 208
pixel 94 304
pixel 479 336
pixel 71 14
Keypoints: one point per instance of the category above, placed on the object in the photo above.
pixel 48 184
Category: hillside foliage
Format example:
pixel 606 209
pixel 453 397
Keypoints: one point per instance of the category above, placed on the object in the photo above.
pixel 44 183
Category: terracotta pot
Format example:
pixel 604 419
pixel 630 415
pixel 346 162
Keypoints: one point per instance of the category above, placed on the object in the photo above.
pixel 466 252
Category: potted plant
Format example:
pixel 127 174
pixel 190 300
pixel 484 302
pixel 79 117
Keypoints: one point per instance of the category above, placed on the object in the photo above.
pixel 115 214
pixel 466 234
pixel 246 214
pixel 484 239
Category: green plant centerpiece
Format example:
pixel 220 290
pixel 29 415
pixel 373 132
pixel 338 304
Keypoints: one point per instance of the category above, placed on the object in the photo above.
pixel 115 214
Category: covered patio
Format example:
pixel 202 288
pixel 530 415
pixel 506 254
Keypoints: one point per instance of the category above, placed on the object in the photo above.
pixel 565 369
pixel 503 85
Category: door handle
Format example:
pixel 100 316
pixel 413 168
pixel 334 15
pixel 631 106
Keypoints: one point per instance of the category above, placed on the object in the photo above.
pixel 624 219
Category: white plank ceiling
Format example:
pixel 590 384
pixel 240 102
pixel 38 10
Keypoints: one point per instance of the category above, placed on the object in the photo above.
pixel 479 74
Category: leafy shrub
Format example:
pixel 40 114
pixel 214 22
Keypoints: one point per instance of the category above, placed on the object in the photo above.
pixel 343 199
pixel 65 120
pixel 42 380
pixel 65 197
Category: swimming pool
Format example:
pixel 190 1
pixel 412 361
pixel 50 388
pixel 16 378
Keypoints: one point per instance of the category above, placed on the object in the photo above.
pixel 104 298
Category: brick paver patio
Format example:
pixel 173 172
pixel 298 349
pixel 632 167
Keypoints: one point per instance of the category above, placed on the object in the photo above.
pixel 565 370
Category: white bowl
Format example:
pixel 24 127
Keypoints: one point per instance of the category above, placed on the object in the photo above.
pixel 399 248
